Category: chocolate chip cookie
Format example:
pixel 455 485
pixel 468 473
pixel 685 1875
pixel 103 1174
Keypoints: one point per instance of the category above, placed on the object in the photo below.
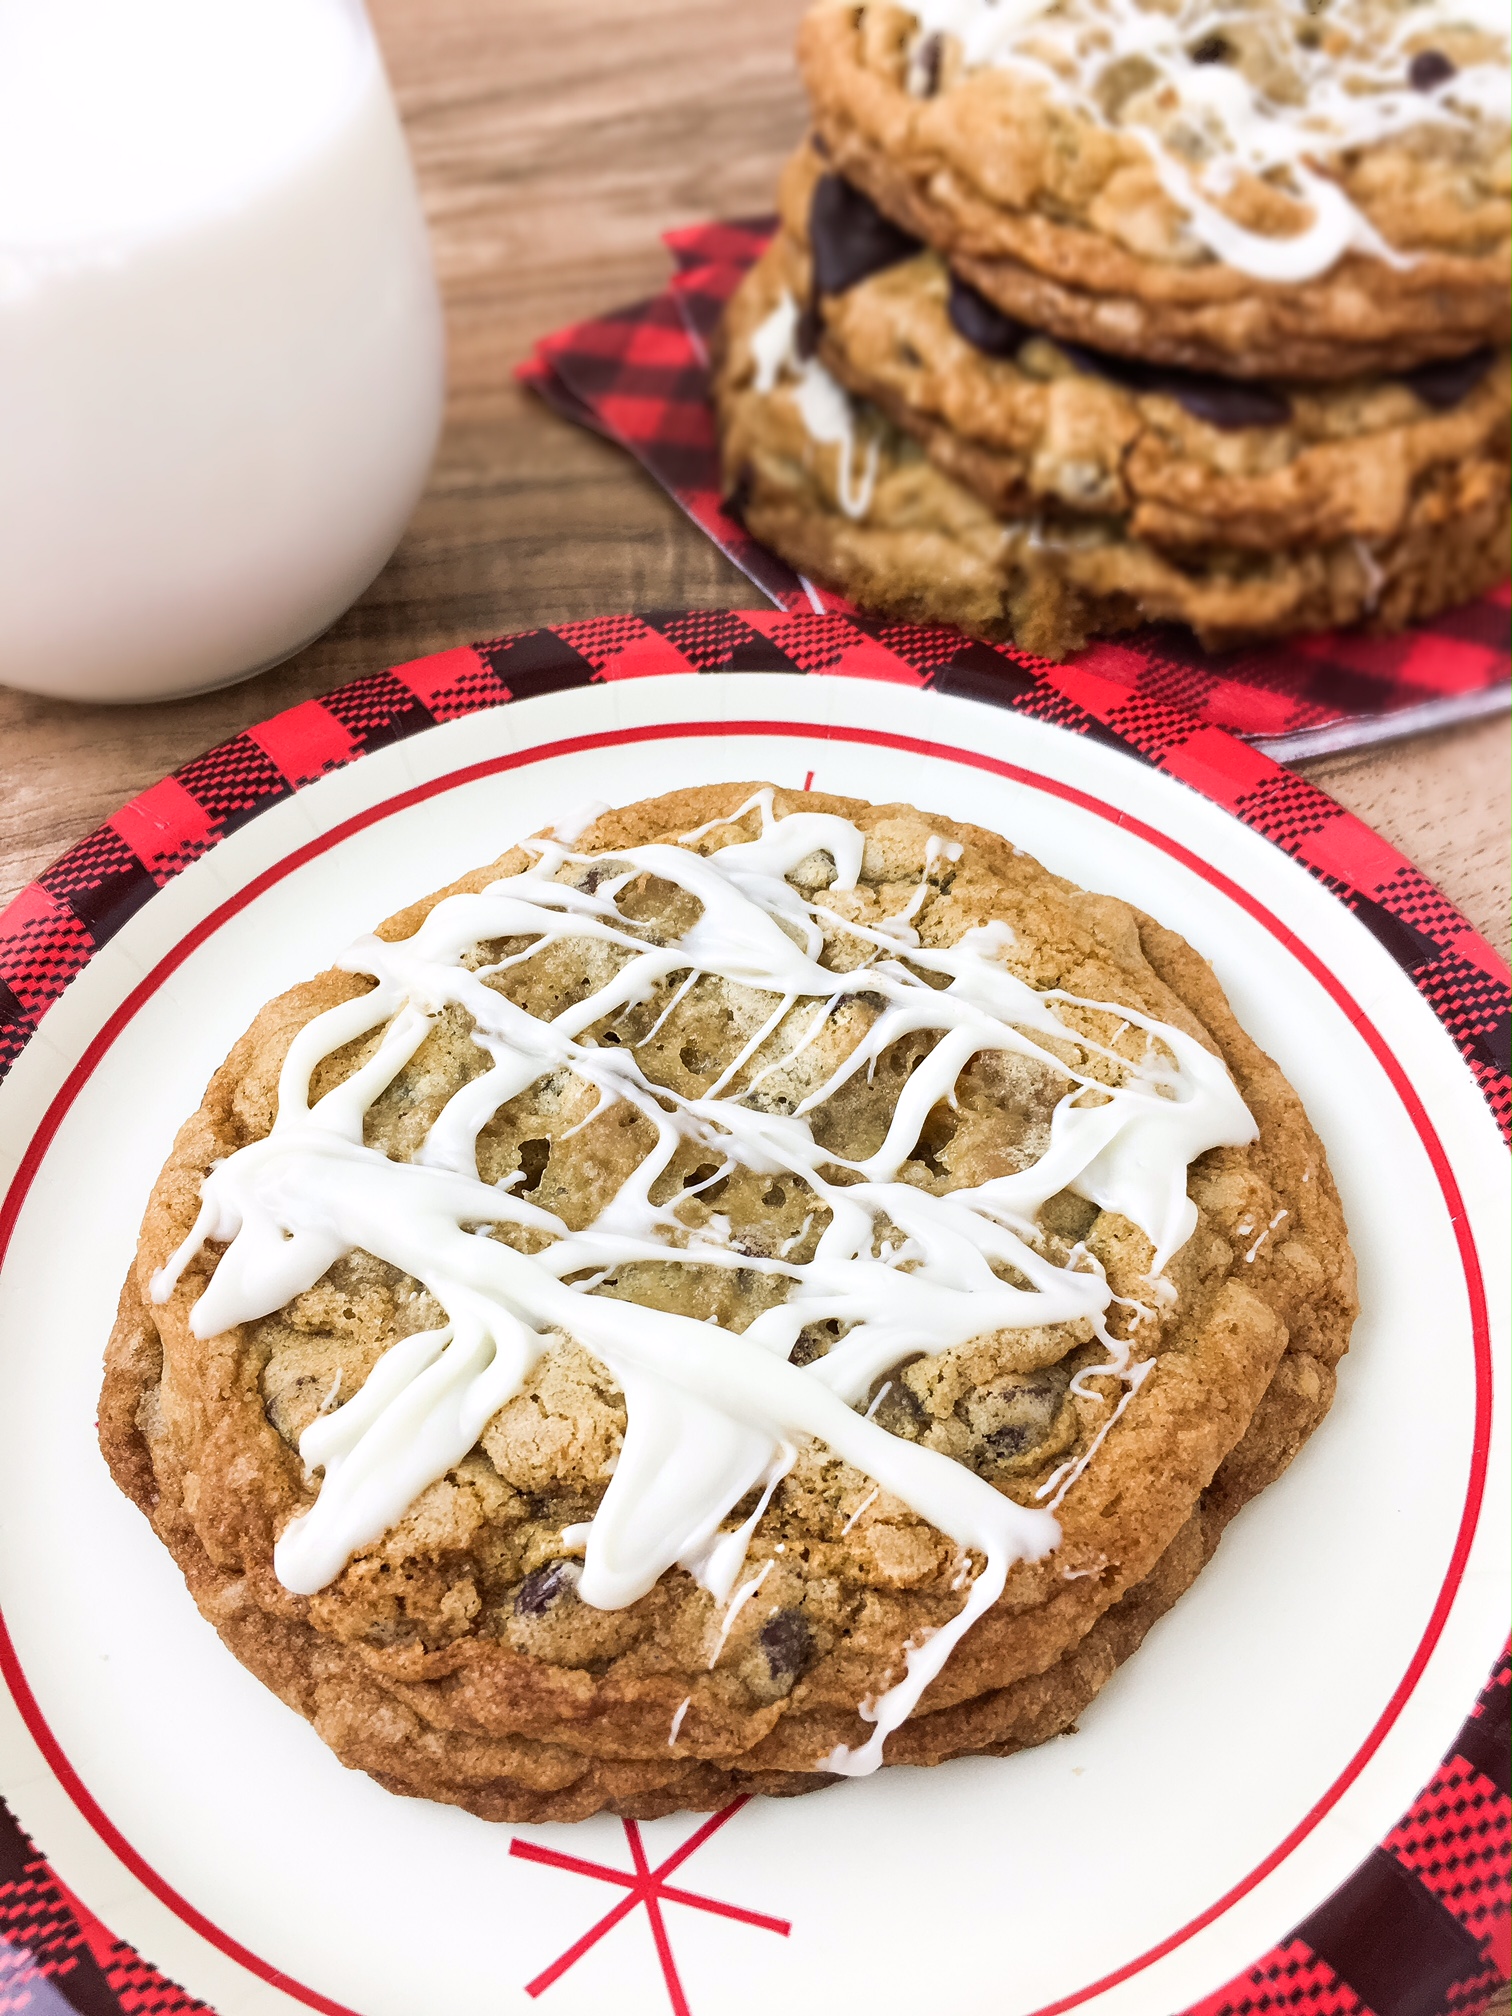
pixel 1185 460
pixel 758 1288
pixel 925 522
pixel 1259 192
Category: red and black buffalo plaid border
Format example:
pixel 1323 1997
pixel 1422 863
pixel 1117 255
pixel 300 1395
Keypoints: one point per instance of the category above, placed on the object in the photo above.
pixel 641 378
pixel 1422 1928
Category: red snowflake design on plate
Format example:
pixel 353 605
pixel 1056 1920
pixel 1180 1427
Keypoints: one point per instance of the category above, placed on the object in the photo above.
pixel 643 1885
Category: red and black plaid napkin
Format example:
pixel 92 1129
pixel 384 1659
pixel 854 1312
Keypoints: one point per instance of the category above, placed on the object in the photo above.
pixel 640 377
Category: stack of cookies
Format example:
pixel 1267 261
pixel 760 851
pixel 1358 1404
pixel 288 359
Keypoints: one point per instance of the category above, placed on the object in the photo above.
pixel 1085 313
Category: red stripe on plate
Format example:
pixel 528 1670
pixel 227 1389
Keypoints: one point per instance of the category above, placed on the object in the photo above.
pixel 99 1047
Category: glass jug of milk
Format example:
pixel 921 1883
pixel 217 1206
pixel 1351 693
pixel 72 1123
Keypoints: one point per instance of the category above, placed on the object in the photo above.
pixel 221 354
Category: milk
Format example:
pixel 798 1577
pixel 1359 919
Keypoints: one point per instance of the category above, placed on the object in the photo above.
pixel 221 358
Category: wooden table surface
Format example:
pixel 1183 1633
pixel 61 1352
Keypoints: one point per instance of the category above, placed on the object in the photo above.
pixel 553 144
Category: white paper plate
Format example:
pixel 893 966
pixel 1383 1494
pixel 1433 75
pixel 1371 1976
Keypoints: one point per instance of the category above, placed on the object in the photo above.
pixel 1233 1774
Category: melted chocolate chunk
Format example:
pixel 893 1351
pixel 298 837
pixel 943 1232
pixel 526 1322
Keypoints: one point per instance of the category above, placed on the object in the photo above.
pixel 981 322
pixel 895 1408
pixel 808 329
pixel 787 1643
pixel 1221 402
pixel 1428 69
pixel 1014 1437
pixel 1211 49
pixel 1443 384
pixel 544 1586
pixel 850 236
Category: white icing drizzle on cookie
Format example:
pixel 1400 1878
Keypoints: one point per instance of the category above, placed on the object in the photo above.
pixel 711 1413
pixel 773 344
pixel 825 407
pixel 1205 123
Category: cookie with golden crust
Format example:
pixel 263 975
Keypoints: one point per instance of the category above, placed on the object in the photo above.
pixel 1183 460
pixel 558 1100
pixel 896 519
pixel 1253 192
pixel 404 1738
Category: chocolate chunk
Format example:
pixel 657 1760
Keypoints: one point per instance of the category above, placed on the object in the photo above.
pixel 1098 364
pixel 1014 1437
pixel 1428 69
pixel 534 1155
pixel 787 1642
pixel 814 1341
pixel 851 238
pixel 1443 384
pixel 808 329
pixel 927 60
pixel 1013 1417
pixel 544 1586
pixel 1221 402
pixel 982 322
pixel 896 1408
pixel 1211 49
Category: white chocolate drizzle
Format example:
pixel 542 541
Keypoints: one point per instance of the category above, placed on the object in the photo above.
pixel 1205 123
pixel 825 407
pixel 1264 1235
pixel 712 1413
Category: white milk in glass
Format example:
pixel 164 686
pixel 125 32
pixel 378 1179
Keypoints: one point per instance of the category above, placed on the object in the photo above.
pixel 221 356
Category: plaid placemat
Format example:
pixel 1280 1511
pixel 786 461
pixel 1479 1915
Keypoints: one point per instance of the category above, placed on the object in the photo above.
pixel 1422 1927
pixel 641 377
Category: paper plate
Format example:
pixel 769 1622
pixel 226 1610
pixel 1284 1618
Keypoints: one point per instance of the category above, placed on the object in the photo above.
pixel 1251 1784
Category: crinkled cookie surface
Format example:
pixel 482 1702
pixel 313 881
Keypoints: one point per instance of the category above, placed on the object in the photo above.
pixel 452 1657
pixel 1057 162
pixel 893 506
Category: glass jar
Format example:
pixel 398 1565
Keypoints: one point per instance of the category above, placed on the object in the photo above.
pixel 221 351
